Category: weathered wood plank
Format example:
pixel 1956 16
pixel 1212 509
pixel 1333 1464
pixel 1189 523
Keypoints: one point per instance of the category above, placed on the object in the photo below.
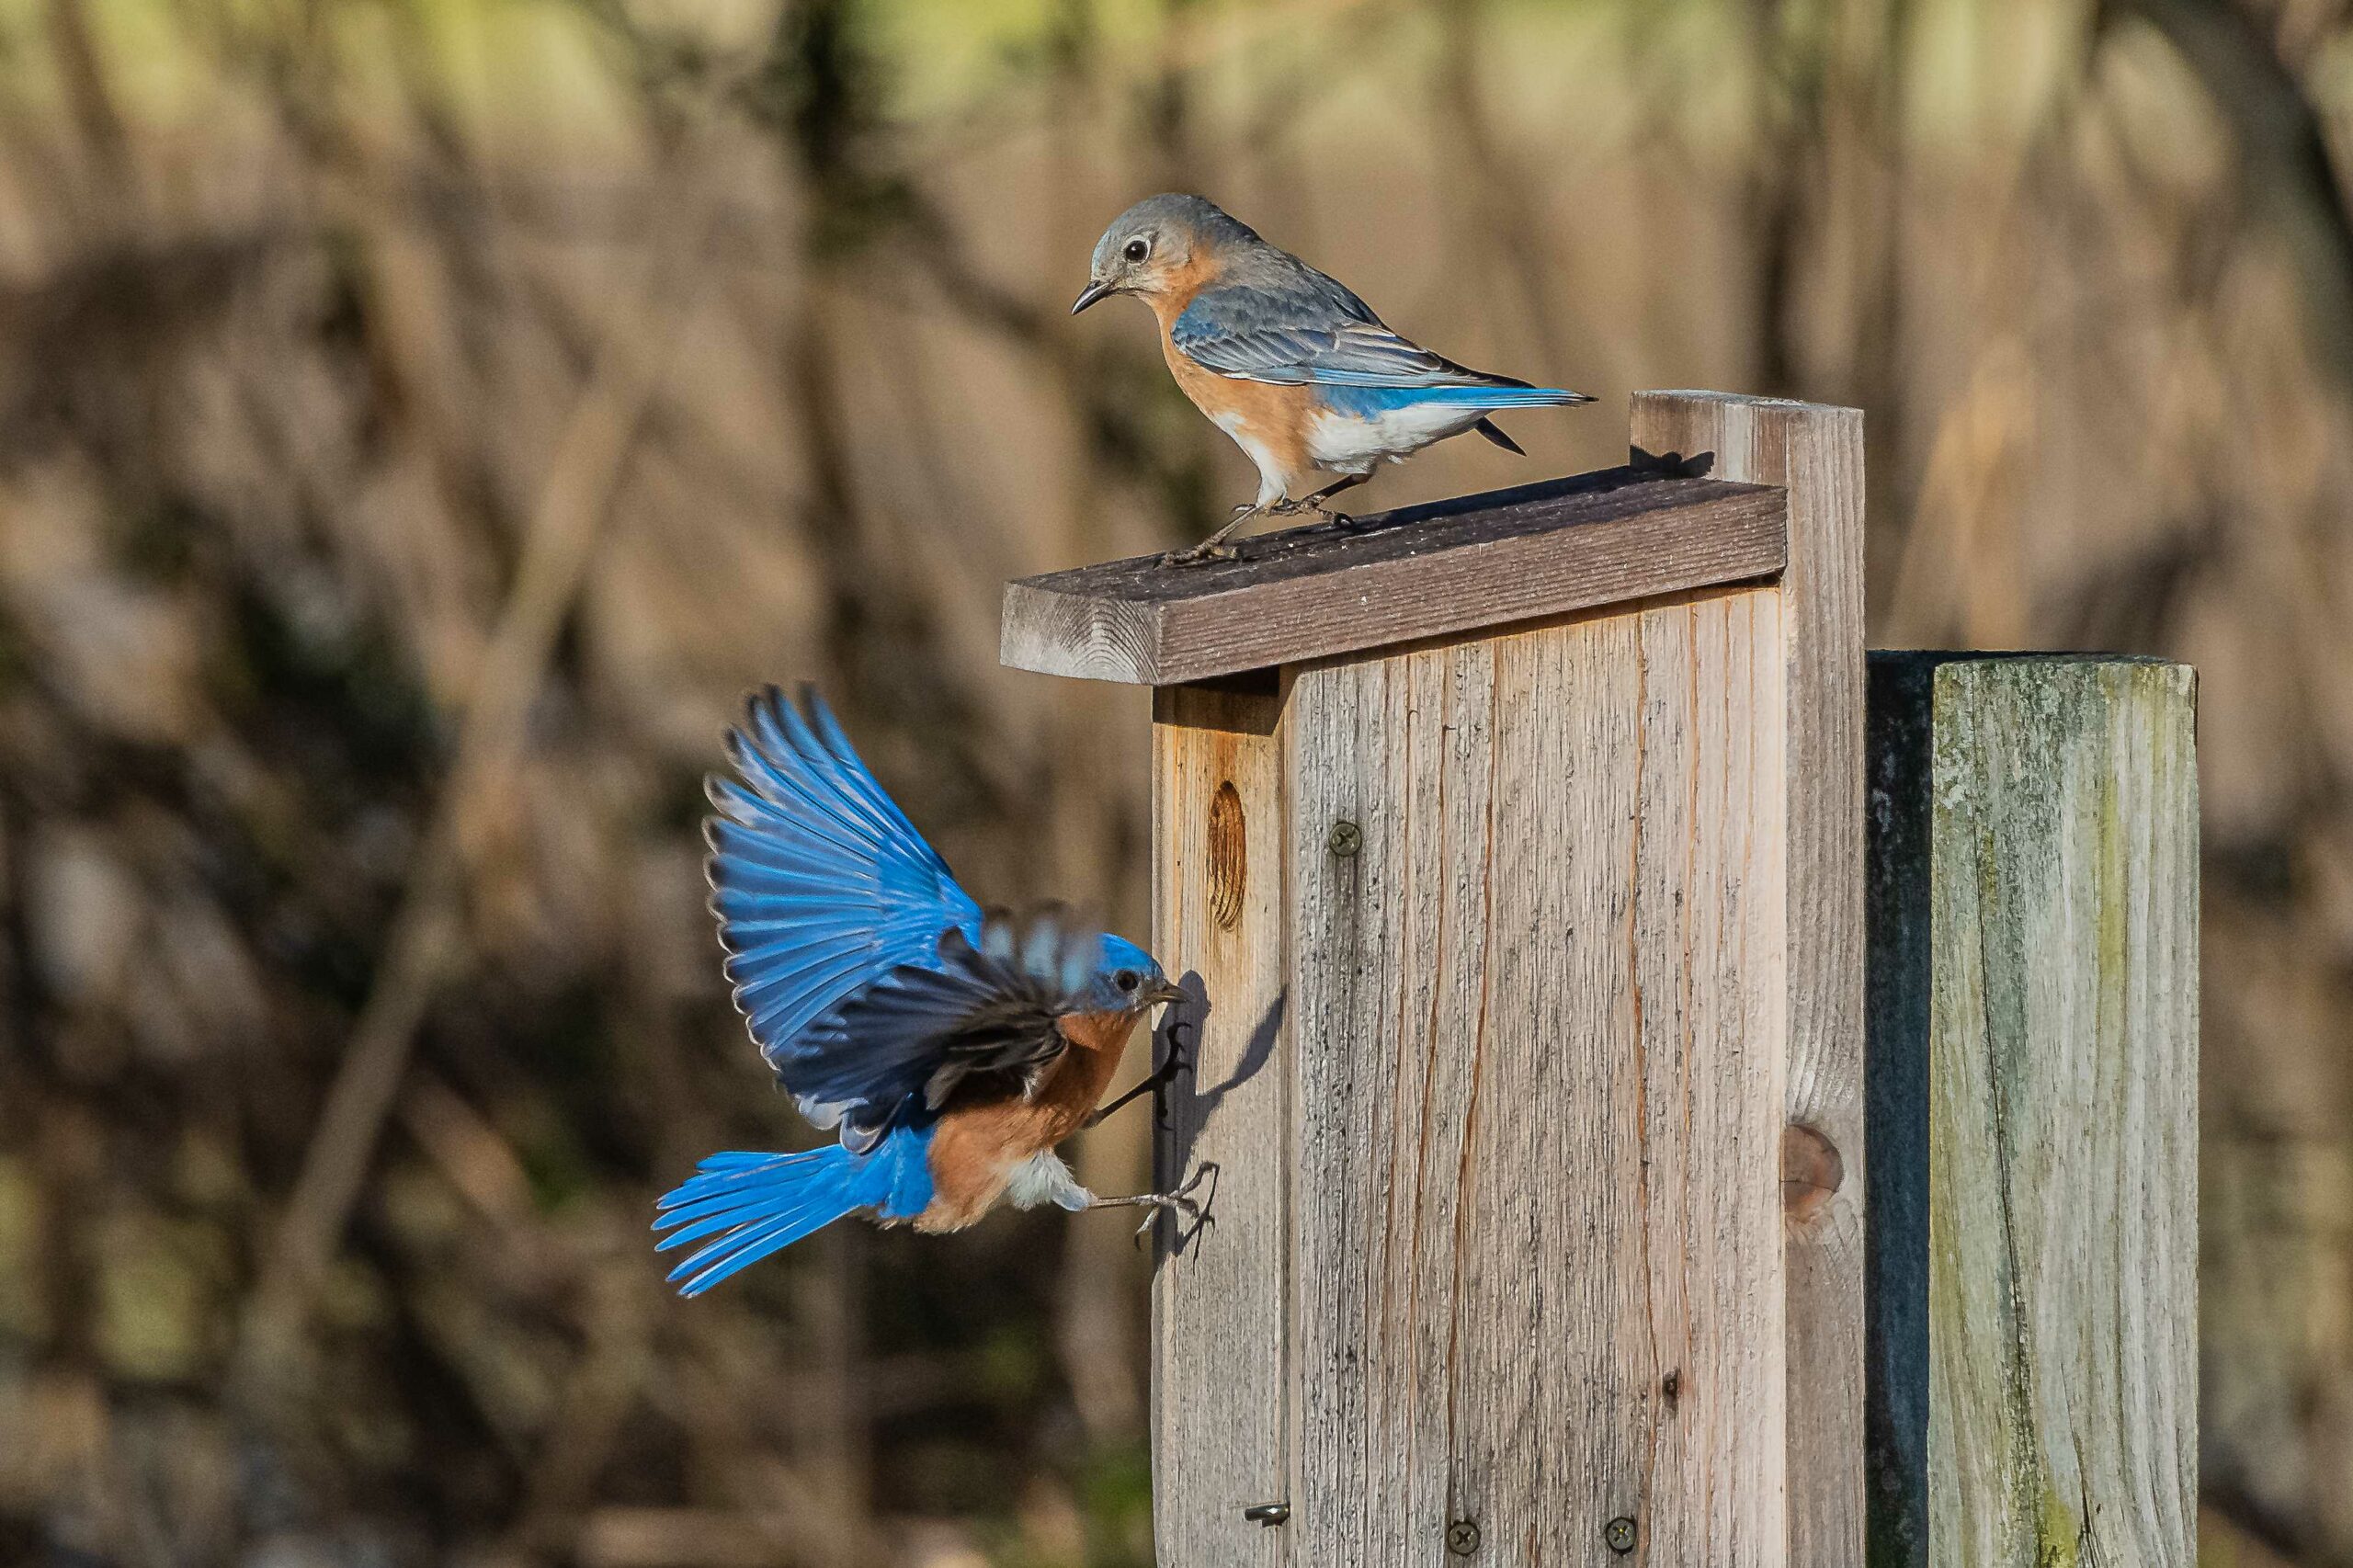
pixel 1539 1006
pixel 1221 1385
pixel 1733 1489
pixel 2034 1051
pixel 1394 749
pixel 1476 562
pixel 1815 453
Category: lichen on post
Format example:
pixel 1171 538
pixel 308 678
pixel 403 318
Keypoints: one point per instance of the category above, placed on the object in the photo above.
pixel 2033 1101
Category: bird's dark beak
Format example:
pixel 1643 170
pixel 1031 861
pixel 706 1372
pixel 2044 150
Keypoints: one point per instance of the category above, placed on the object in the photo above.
pixel 1167 989
pixel 1095 291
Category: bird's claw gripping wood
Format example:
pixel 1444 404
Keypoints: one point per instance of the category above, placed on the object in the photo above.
pixel 1180 1202
pixel 1214 547
pixel 1311 505
pixel 1177 1061
pixel 1314 505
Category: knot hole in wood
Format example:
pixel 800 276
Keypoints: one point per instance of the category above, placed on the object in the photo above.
pixel 1229 857
pixel 1812 1171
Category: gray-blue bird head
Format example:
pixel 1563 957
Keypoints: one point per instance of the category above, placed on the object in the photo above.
pixel 1159 244
pixel 1126 979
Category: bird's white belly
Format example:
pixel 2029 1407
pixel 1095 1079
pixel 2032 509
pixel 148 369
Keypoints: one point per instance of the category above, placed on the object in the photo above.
pixel 1043 1178
pixel 1348 443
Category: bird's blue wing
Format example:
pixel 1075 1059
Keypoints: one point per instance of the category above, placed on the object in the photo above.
pixel 1308 331
pixel 823 888
pixel 981 1015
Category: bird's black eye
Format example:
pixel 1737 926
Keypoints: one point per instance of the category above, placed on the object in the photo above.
pixel 1138 248
pixel 1127 980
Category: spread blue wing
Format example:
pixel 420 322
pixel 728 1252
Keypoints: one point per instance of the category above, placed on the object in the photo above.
pixel 823 888
pixel 980 1016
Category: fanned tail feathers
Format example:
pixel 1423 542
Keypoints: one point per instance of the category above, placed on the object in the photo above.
pixel 742 1207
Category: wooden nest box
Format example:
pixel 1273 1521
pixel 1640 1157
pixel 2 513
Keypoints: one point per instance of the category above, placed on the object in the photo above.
pixel 1518 843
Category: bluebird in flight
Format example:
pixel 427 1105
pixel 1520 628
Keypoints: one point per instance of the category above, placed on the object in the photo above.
pixel 1286 361
pixel 952 1047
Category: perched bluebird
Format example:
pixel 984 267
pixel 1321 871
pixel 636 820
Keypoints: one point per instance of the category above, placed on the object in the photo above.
pixel 952 1047
pixel 1286 361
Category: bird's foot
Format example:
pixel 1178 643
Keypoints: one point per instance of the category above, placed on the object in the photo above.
pixel 1177 1060
pixel 1309 506
pixel 1214 547
pixel 1180 1202
pixel 1207 550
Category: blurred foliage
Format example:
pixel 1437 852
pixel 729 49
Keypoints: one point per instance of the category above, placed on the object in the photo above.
pixel 420 420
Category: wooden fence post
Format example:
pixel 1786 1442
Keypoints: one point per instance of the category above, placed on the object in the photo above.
pixel 1506 837
pixel 2033 1109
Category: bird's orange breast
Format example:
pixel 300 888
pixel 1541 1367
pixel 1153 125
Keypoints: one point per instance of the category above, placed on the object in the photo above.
pixel 1269 422
pixel 1257 414
pixel 974 1148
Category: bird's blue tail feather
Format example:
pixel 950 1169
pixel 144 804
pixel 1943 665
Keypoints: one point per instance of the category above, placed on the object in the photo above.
pixel 1490 397
pixel 742 1207
pixel 1372 401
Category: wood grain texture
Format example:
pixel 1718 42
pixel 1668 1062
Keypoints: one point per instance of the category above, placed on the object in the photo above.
pixel 1478 561
pixel 1817 454
pixel 1536 1020
pixel 1222 1298
pixel 2034 1012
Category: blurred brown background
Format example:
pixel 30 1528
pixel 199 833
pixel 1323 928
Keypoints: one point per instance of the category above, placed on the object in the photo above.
pixel 422 420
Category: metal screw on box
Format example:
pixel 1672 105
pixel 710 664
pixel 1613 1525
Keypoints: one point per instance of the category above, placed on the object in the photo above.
pixel 1462 1538
pixel 1620 1533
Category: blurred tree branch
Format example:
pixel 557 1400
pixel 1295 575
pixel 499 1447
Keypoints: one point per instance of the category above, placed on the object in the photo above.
pixel 574 498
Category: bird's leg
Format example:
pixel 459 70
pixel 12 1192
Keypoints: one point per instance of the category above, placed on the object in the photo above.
pixel 1160 1077
pixel 1315 502
pixel 1214 547
pixel 1180 1202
